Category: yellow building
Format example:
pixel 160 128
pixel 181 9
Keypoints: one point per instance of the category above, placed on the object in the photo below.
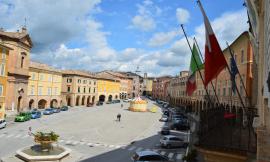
pixel 108 88
pixel 44 87
pixel 4 51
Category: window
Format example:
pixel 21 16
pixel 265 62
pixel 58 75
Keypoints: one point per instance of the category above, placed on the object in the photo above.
pixel 40 90
pixel 68 88
pixel 84 81
pixel 90 82
pixel 4 53
pixel 90 90
pixel 94 90
pixel 84 90
pixel 22 60
pixel 94 83
pixel 33 76
pixel 242 56
pixel 1 90
pixel 41 77
pixel 49 78
pixel 224 91
pixel 69 80
pixel 2 72
pixel 55 90
pixel 32 90
pixel 49 91
pixel 235 58
pixel 79 81
pixel 79 89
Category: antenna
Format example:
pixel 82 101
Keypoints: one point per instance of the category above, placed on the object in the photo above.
pixel 25 22
pixel 137 70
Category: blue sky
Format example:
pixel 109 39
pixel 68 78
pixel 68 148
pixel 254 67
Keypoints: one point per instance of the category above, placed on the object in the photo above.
pixel 120 35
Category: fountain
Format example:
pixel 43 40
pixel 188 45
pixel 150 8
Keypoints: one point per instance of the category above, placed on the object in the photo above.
pixel 44 150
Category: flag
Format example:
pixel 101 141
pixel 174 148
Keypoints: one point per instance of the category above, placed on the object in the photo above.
pixel 214 59
pixel 195 65
pixel 234 71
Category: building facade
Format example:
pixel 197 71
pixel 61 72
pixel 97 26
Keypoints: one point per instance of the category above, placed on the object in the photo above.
pixel 160 88
pixel 44 86
pixel 108 88
pixel 177 89
pixel 4 51
pixel 18 68
pixel 79 88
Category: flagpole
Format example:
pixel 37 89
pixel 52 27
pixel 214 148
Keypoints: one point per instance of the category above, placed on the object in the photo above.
pixel 207 94
pixel 242 82
pixel 214 89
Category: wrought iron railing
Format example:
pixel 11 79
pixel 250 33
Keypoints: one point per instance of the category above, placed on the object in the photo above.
pixel 219 129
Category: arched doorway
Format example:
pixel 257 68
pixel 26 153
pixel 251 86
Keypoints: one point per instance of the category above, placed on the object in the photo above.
pixel 68 100
pixel 42 104
pixel 93 99
pixel 83 99
pixel 101 98
pixel 19 103
pixel 53 103
pixel 88 99
pixel 116 97
pixel 110 98
pixel 144 93
pixel 31 104
pixel 133 95
pixel 77 100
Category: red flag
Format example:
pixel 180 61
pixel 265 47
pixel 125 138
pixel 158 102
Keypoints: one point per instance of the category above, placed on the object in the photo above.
pixel 191 84
pixel 214 58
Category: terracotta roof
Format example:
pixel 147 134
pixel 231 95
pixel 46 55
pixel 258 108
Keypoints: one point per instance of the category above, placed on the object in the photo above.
pixel 17 35
pixel 107 77
pixel 79 73
pixel 42 66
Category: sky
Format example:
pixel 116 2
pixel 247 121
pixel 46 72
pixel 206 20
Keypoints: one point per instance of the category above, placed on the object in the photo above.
pixel 121 35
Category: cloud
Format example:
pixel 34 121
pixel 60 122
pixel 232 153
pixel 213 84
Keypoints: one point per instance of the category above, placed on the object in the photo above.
pixel 182 15
pixel 162 38
pixel 144 20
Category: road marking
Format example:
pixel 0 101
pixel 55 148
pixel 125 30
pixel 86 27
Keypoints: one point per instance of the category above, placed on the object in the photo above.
pixel 10 135
pixel 18 135
pixel 170 155
pixel 131 148
pixel 139 149
pixel 111 146
pixel 97 144
pixel 117 146
pixel 89 144
pixel 179 156
pixel 163 153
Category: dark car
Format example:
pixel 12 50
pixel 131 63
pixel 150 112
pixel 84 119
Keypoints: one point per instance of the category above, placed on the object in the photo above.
pixel 116 101
pixel 166 112
pixel 99 103
pixel 109 102
pixel 56 110
pixel 165 130
pixel 48 111
pixel 35 114
pixel 64 108
pixel 147 156
pixel 180 125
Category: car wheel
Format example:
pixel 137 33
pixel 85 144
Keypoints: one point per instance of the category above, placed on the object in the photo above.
pixel 168 146
pixel 185 145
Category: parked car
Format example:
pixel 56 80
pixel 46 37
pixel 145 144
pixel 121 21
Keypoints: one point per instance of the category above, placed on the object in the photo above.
pixel 35 114
pixel 165 130
pixel 23 116
pixel 127 100
pixel 56 110
pixel 180 125
pixel 116 101
pixel 48 111
pixel 146 156
pixel 99 103
pixel 164 119
pixel 90 105
pixel 3 124
pixel 166 112
pixel 109 102
pixel 64 108
pixel 172 141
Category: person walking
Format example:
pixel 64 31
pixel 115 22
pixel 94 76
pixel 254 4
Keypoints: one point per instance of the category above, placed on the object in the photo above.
pixel 119 117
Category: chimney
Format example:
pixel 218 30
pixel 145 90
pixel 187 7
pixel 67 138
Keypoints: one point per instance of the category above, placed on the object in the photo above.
pixel 24 30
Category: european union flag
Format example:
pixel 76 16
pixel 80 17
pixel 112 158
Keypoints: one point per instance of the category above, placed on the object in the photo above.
pixel 234 71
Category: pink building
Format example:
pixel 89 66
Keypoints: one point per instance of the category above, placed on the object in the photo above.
pixel 160 88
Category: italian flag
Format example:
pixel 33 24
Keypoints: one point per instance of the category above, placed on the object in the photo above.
pixel 195 65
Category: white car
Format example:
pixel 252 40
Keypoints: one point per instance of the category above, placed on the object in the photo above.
pixel 127 100
pixel 147 156
pixel 3 123
pixel 172 141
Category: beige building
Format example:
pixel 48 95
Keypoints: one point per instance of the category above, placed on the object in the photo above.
pixel 79 88
pixel 44 86
pixel 18 68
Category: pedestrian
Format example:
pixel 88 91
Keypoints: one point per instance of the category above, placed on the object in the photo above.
pixel 119 117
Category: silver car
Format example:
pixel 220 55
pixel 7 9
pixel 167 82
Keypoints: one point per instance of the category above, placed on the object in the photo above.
pixel 147 156
pixel 172 141
pixel 3 123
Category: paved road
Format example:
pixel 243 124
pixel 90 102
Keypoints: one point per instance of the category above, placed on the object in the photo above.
pixel 93 132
